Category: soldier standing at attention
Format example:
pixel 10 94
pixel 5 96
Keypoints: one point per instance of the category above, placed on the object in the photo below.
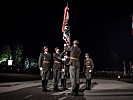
pixel 44 66
pixel 88 68
pixel 74 69
pixel 57 68
pixel 65 70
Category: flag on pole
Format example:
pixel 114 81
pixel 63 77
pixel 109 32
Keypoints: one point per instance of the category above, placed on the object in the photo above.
pixel 66 26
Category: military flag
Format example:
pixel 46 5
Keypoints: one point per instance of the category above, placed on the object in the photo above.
pixel 66 26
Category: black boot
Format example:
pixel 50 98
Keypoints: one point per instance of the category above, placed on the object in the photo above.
pixel 56 89
pixel 43 85
pixel 89 84
pixel 62 84
pixel 76 89
pixel 73 93
pixel 46 83
pixel 65 85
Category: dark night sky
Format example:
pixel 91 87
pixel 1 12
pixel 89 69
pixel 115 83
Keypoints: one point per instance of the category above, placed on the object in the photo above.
pixel 100 28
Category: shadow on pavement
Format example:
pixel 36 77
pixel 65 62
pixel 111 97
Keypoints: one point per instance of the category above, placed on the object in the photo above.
pixel 82 89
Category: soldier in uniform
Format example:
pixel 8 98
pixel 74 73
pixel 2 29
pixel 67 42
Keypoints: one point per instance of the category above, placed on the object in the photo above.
pixel 65 70
pixel 44 66
pixel 56 68
pixel 74 68
pixel 88 68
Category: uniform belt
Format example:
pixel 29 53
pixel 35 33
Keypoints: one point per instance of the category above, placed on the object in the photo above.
pixel 57 62
pixel 88 66
pixel 74 58
pixel 46 61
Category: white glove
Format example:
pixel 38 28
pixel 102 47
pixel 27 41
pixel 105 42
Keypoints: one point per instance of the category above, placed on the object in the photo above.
pixel 41 68
pixel 66 57
pixel 63 59
pixel 90 71
pixel 65 45
pixel 63 70
pixel 119 76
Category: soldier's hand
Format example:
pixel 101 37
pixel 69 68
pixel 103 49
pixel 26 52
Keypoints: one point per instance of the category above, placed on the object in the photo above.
pixel 40 68
pixel 90 71
pixel 65 45
pixel 66 57
pixel 68 46
pixel 63 59
pixel 63 70
pixel 64 51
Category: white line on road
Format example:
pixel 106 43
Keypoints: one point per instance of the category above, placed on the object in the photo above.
pixel 62 98
pixel 27 96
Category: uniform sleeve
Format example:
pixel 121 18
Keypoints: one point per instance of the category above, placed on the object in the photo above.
pixel 79 52
pixel 84 67
pixel 40 60
pixel 56 56
pixel 50 59
pixel 61 55
pixel 92 63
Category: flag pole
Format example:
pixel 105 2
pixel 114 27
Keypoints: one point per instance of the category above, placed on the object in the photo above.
pixel 66 34
pixel 65 52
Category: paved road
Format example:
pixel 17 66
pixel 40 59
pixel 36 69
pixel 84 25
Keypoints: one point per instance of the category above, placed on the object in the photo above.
pixel 102 89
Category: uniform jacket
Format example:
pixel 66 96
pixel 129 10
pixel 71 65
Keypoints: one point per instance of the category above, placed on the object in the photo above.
pixel 74 51
pixel 88 64
pixel 44 61
pixel 57 60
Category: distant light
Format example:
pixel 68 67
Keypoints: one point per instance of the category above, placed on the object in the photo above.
pixel 10 62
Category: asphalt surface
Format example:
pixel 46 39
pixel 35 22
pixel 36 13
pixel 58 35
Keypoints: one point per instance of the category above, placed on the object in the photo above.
pixel 13 77
pixel 102 89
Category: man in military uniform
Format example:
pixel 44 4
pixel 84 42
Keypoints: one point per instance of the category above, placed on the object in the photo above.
pixel 65 70
pixel 56 68
pixel 44 65
pixel 74 69
pixel 88 68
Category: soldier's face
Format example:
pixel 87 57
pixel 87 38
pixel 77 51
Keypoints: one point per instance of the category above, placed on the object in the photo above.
pixel 57 50
pixel 86 56
pixel 46 50
pixel 74 45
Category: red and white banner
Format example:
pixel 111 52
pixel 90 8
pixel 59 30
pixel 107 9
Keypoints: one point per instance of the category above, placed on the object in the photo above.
pixel 66 26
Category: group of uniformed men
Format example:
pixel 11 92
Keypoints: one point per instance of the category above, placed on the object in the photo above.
pixel 70 63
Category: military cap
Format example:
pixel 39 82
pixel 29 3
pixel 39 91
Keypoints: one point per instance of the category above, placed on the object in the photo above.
pixel 45 47
pixel 86 54
pixel 56 48
pixel 75 42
